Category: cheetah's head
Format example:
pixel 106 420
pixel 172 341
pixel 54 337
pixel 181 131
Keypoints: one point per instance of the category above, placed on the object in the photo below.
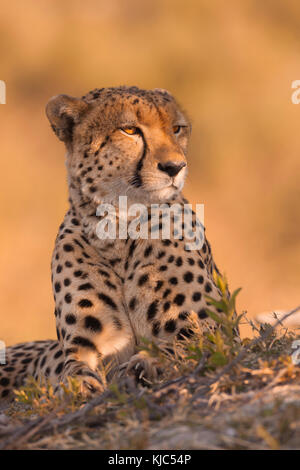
pixel 122 141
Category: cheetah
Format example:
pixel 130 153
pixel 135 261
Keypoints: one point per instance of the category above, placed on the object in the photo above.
pixel 110 295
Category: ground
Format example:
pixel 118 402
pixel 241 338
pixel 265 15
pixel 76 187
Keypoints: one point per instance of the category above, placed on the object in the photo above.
pixel 214 394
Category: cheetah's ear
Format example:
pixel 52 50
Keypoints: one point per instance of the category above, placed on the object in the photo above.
pixel 64 112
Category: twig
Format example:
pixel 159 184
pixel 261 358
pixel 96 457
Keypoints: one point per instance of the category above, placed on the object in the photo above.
pixel 183 378
pixel 44 425
pixel 32 430
pixel 253 343
pixel 47 424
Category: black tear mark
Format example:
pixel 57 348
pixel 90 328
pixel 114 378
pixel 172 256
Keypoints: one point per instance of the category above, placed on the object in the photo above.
pixel 137 179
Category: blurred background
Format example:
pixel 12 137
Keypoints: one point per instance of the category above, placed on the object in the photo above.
pixel 230 64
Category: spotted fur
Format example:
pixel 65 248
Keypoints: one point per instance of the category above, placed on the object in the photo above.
pixel 109 294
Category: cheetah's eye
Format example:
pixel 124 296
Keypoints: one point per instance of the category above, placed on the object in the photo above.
pixel 177 129
pixel 130 130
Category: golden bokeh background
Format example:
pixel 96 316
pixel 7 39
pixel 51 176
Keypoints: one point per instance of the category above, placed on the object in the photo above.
pixel 230 64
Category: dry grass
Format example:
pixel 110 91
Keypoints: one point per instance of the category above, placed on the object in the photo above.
pixel 231 65
pixel 215 393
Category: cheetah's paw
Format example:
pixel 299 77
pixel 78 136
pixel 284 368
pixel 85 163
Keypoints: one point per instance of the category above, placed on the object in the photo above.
pixel 143 368
pixel 90 383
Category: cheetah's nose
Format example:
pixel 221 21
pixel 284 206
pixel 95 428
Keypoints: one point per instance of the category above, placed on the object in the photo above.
pixel 171 168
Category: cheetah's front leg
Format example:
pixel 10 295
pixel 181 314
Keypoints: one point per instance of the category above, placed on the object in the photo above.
pixel 92 325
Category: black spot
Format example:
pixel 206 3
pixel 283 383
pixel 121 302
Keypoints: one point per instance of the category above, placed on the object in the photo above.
pixel 152 310
pixel 78 243
pixel 188 276
pixel 68 298
pixel 58 354
pixel 156 328
pixel 202 313
pixel 158 286
pixel 167 305
pixel 183 315
pixel 70 319
pixel 179 299
pixel 114 261
pixel 143 279
pixel 166 293
pixel 208 287
pixel 85 303
pixel 179 261
pixel 68 247
pixel 77 273
pixel 132 303
pixel 163 268
pixel 110 285
pixel 200 264
pixel 4 381
pixel 103 273
pixel 200 279
pixel 67 282
pixel 57 287
pixel 59 269
pixel 148 251
pixel 108 300
pixel 170 326
pixel 196 296
pixel 173 281
pixel 27 360
pixel 59 368
pixel 86 286
pixel 191 261
pixel 132 248
pixel 92 323
pixel 84 342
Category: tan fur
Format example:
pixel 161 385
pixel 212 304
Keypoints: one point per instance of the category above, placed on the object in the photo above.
pixel 109 294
